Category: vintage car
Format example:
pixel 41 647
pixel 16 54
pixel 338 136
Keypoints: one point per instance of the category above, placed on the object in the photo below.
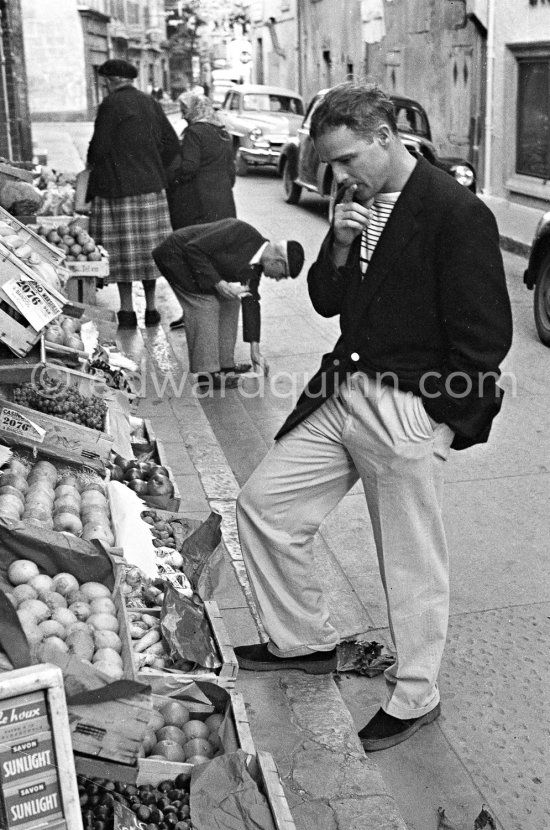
pixel 260 120
pixel 537 276
pixel 300 166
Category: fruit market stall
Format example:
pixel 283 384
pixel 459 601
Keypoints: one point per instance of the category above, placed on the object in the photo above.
pixel 182 755
pixel 102 575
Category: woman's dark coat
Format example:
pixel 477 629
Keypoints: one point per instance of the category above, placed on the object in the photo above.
pixel 201 191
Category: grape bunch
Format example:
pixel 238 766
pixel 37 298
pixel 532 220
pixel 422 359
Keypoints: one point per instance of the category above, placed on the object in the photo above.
pixel 164 807
pixel 68 404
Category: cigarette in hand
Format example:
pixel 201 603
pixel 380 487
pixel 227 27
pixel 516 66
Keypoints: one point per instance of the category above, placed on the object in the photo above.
pixel 349 193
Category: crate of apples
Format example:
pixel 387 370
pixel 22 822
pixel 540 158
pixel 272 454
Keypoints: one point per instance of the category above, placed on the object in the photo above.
pixel 151 481
pixel 75 242
pixel 59 616
pixel 177 734
pixel 45 497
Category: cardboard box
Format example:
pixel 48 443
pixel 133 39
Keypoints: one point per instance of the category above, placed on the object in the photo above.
pixel 54 437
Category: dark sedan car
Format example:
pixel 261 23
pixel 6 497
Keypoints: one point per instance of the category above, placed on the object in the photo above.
pixel 300 166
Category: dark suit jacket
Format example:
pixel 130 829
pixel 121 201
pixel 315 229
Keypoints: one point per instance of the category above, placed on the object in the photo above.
pixel 132 145
pixel 432 310
pixel 197 257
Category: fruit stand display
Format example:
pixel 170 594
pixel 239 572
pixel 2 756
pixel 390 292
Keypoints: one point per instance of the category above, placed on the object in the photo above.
pixel 85 260
pixel 147 664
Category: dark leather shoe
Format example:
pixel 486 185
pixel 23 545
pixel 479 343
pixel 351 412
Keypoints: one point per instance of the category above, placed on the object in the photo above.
pixel 259 658
pixel 215 380
pixel 177 324
pixel 127 320
pixel 152 318
pixel 237 369
pixel 383 730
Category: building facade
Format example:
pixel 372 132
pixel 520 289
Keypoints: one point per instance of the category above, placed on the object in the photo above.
pixel 15 129
pixel 66 41
pixel 519 157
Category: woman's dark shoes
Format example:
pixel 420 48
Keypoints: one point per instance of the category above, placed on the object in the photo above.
pixel 177 324
pixel 127 320
pixel 216 380
pixel 237 369
pixel 259 658
pixel 152 318
pixel 383 730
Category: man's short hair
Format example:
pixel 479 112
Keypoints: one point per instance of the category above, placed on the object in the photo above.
pixel 117 68
pixel 294 258
pixel 360 107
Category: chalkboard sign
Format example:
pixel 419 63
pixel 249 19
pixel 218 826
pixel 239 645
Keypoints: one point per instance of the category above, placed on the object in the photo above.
pixel 38 786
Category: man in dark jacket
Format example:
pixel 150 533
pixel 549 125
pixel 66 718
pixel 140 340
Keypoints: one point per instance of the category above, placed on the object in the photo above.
pixel 210 268
pixel 413 268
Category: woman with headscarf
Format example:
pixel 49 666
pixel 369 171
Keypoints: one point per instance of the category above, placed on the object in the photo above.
pixel 201 189
pixel 132 147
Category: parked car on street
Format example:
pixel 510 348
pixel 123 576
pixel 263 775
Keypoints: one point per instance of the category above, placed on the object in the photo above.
pixel 260 120
pixel 537 276
pixel 300 166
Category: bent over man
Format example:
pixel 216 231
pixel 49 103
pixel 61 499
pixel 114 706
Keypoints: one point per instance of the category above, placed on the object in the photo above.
pixel 211 268
pixel 413 268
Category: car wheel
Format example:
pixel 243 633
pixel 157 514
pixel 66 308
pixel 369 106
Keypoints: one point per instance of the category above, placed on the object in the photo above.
pixel 241 167
pixel 292 190
pixel 542 300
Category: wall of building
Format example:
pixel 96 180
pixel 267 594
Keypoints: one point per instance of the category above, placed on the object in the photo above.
pixel 55 59
pixel 15 130
pixel 434 53
pixel 518 23
pixel 274 40
pixel 331 43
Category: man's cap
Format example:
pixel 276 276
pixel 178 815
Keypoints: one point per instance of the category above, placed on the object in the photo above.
pixel 294 258
pixel 117 68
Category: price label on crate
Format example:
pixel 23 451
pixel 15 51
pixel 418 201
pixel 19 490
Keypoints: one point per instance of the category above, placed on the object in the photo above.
pixel 33 300
pixel 18 424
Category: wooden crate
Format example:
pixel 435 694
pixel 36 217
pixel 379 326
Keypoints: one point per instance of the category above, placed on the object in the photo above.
pixel 46 251
pixel 225 676
pixel 15 330
pixel 261 764
pixel 273 789
pixel 54 437
pixel 15 370
pixel 153 770
pixel 81 288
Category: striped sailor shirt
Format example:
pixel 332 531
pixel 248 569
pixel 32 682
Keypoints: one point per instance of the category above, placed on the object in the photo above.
pixel 380 211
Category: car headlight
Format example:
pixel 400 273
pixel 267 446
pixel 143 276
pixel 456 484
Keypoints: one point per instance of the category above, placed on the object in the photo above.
pixel 255 133
pixel 463 174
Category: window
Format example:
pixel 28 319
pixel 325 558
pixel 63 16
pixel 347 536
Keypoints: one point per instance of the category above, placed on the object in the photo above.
pixel 533 118
pixel 411 120
pixel 262 102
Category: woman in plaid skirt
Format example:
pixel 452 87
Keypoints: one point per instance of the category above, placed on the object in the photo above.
pixel 132 146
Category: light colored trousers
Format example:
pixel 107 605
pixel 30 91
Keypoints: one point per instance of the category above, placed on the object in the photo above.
pixel 211 324
pixel 385 437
